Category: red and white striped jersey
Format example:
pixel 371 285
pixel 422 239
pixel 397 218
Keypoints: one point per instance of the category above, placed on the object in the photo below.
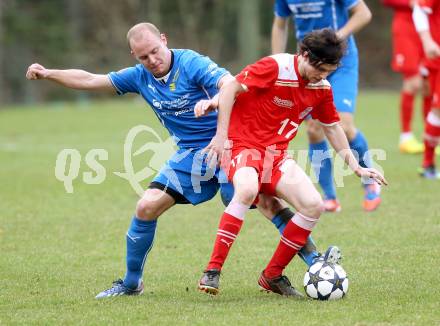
pixel 276 102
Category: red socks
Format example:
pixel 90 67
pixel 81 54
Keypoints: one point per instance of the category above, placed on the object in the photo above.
pixel 406 111
pixel 428 155
pixel 227 232
pixel 292 240
pixel 432 138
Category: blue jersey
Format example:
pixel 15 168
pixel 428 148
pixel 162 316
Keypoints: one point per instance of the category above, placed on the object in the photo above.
pixel 309 15
pixel 193 77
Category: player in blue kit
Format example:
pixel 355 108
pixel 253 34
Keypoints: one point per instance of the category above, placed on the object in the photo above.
pixel 175 83
pixel 346 17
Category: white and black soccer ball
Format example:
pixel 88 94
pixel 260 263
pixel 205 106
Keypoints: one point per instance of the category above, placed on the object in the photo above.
pixel 325 281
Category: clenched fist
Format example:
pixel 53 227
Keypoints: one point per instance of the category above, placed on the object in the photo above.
pixel 36 71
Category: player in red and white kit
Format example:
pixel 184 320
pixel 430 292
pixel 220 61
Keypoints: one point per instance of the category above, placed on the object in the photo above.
pixel 407 60
pixel 426 16
pixel 260 112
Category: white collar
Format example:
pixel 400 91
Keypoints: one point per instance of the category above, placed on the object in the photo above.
pixel 163 79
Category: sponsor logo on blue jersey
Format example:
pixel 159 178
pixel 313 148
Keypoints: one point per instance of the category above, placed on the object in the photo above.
pixel 193 77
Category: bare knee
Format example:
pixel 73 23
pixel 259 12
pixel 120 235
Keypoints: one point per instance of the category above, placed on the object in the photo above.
pixel 347 124
pixel 245 194
pixel 313 207
pixel 412 85
pixel 350 131
pixel 146 210
pixel 152 204
pixel 315 132
pixel 246 185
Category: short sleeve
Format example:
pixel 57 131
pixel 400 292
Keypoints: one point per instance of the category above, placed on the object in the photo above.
pixel 325 112
pixel 204 72
pixel 281 9
pixel 125 80
pixel 261 74
pixel 348 4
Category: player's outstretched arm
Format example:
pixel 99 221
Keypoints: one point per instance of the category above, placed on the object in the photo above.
pixel 226 101
pixel 336 136
pixel 360 15
pixel 71 78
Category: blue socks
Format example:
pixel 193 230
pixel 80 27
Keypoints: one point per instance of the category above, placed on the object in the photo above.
pixel 140 236
pixel 277 220
pixel 307 255
pixel 321 162
pixel 280 220
pixel 360 146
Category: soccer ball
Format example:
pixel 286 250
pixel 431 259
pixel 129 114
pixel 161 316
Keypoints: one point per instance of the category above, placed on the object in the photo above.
pixel 325 281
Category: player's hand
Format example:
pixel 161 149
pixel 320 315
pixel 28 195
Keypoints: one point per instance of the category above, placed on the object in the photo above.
pixel 431 48
pixel 203 107
pixel 36 71
pixel 368 173
pixel 215 149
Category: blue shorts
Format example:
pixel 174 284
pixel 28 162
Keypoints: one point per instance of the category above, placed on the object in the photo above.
pixel 344 82
pixel 187 174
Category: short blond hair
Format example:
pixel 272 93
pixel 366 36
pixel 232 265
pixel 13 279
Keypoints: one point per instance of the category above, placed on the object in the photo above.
pixel 138 30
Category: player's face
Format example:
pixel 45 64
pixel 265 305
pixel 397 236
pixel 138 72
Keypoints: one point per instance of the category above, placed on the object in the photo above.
pixel 315 74
pixel 152 52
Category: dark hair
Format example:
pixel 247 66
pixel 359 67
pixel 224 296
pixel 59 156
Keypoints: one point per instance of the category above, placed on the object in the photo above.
pixel 323 47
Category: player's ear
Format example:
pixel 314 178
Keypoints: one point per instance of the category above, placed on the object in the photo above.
pixel 306 55
pixel 163 38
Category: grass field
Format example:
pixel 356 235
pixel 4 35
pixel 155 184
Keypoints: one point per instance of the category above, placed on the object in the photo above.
pixel 58 250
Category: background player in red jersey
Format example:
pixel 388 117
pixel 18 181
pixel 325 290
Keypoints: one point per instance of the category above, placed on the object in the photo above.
pixel 407 60
pixel 426 15
pixel 260 111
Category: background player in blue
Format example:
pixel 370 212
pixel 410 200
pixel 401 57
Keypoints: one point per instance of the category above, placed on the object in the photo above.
pixel 346 17
pixel 174 83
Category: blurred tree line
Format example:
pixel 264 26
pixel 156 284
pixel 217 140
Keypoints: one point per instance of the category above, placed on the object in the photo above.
pixel 90 35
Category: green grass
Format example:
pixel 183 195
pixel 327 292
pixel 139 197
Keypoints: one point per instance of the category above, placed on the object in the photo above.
pixel 57 250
